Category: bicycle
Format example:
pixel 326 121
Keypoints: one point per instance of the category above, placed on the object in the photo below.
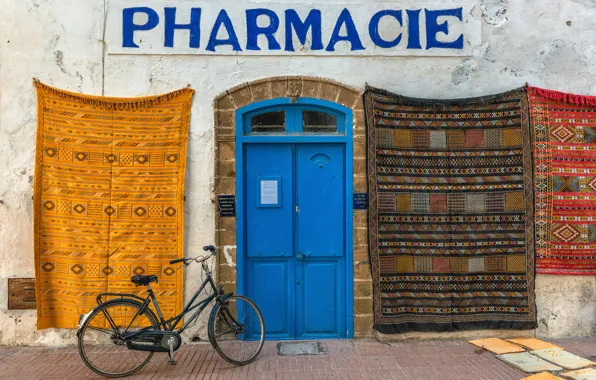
pixel 119 336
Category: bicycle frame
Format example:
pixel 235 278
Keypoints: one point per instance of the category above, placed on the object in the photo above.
pixel 170 324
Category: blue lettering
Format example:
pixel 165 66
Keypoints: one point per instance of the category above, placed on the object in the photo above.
pixel 351 33
pixel 373 29
pixel 194 26
pixel 223 19
pixel 293 22
pixel 413 29
pixel 432 28
pixel 253 30
pixel 129 27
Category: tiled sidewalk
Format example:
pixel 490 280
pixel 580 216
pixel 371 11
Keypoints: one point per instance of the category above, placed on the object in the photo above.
pixel 347 359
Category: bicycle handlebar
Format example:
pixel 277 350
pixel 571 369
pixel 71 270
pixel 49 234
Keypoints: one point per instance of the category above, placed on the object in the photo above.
pixel 207 248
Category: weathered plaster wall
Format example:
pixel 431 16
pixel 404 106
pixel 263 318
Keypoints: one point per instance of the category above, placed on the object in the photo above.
pixel 55 41
pixel 566 305
pixel 548 43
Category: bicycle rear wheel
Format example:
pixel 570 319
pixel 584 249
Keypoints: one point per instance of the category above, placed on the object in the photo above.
pixel 101 345
pixel 237 330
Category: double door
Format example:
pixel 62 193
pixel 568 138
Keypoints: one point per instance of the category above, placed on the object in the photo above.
pixel 294 245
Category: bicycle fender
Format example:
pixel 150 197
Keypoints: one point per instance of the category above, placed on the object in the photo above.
pixel 226 296
pixel 221 298
pixel 211 320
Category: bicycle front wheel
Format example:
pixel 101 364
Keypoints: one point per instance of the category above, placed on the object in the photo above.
pixel 101 343
pixel 236 329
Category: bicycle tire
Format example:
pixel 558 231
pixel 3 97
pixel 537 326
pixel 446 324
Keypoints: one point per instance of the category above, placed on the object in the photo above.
pixel 96 316
pixel 221 308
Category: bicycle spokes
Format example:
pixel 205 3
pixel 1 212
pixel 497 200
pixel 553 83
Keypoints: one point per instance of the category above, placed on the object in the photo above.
pixel 237 330
pixel 102 342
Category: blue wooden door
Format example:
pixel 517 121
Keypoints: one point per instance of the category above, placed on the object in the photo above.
pixel 320 238
pixel 269 230
pixel 295 238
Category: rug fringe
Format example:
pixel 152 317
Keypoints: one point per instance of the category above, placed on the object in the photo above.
pixel 154 137
pixel 428 102
pixel 113 102
pixel 581 100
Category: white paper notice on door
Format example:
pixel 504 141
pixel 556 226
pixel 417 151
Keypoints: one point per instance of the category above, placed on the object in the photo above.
pixel 269 192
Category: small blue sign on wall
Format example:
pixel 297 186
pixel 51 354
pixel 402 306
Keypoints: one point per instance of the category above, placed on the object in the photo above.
pixel 360 201
pixel 226 205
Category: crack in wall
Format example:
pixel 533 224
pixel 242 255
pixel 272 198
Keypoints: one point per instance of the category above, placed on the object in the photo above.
pixel 494 12
pixel 103 49
pixel 59 59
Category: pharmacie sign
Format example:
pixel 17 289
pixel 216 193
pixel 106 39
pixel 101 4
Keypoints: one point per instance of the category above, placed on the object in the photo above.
pixel 251 28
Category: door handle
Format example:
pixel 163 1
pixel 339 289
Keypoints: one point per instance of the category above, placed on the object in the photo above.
pixel 299 256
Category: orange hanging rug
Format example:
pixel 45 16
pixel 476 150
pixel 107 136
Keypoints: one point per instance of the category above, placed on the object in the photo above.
pixel 108 199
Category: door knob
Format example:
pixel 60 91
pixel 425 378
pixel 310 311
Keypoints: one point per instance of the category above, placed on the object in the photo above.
pixel 299 256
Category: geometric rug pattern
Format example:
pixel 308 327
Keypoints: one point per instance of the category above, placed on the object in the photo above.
pixel 108 199
pixel 451 221
pixel 564 127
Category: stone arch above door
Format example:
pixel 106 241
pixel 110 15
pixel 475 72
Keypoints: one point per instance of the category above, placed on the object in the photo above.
pixel 225 106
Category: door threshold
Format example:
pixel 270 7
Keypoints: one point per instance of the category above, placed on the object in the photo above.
pixel 299 348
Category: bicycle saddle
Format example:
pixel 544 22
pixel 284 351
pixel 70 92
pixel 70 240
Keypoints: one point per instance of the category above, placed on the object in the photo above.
pixel 143 280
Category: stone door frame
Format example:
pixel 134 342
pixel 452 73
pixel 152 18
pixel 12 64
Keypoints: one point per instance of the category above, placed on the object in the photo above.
pixel 225 106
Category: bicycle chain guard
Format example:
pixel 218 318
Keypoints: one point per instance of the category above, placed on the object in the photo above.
pixel 155 341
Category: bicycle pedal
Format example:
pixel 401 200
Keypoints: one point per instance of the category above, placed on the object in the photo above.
pixel 171 342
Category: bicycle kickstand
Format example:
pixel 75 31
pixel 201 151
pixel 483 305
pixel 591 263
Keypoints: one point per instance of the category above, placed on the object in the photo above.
pixel 171 343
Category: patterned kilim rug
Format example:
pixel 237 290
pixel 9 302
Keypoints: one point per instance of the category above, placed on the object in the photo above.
pixel 451 212
pixel 565 181
pixel 109 189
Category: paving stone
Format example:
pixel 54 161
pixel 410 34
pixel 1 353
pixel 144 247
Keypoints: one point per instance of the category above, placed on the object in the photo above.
pixel 346 359
pixel 300 348
pixel 496 346
pixel 531 343
pixel 542 376
pixel 528 362
pixel 563 358
pixel 581 374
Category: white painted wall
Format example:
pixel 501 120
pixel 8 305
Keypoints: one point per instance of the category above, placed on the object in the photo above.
pixel 548 43
pixel 151 41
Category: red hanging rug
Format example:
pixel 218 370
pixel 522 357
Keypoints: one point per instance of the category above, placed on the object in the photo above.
pixel 564 129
